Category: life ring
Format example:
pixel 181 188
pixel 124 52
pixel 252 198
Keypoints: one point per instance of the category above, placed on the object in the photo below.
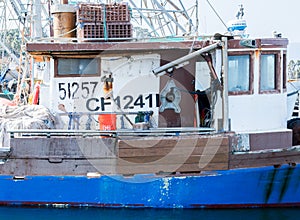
pixel 36 93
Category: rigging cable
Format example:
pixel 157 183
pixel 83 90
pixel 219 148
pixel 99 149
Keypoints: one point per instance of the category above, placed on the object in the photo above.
pixel 217 14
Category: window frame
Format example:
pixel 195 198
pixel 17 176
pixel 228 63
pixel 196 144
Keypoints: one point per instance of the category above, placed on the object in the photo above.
pixel 251 72
pixel 284 71
pixel 56 75
pixel 277 74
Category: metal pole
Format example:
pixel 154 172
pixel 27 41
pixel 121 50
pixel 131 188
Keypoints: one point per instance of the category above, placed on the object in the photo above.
pixel 197 18
pixel 225 110
pixel 36 31
pixel 168 15
pixel 144 17
pixel 162 70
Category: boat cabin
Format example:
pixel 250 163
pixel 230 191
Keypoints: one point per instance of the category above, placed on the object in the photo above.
pixel 114 81
pixel 93 78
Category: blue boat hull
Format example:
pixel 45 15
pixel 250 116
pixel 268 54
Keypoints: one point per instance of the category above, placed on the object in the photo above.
pixel 251 187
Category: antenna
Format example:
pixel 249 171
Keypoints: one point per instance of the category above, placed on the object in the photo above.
pixel 240 13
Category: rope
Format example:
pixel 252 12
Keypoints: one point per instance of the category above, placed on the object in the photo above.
pixel 104 23
pixel 68 32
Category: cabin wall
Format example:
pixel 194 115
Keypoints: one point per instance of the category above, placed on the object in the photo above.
pixel 45 85
pixel 135 88
pixel 257 110
pixel 184 79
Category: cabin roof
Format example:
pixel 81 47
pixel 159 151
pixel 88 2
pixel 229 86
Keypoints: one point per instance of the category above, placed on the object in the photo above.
pixel 56 48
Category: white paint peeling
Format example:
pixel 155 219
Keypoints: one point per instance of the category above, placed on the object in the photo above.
pixel 166 184
pixel 164 189
pixel 180 177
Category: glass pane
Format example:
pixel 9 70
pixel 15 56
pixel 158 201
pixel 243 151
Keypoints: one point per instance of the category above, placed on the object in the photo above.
pixel 67 66
pixel 77 66
pixel 238 73
pixel 267 72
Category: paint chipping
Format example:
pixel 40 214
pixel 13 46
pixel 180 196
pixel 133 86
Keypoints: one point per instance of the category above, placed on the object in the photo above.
pixel 164 189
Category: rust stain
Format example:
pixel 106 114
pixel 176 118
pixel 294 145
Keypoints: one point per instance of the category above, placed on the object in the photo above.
pixel 257 53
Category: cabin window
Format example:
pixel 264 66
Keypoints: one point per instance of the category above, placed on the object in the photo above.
pixel 70 67
pixel 269 72
pixel 239 74
pixel 284 71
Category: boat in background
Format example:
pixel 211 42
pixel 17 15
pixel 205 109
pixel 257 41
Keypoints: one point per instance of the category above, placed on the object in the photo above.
pixel 135 121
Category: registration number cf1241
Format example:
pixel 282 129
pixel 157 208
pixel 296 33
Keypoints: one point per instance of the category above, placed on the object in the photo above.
pixel 88 94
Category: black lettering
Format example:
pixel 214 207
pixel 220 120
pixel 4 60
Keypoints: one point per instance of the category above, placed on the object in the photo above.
pixel 149 97
pixel 139 101
pixel 128 104
pixel 69 90
pixel 63 90
pixel 157 100
pixel 76 85
pixel 88 104
pixel 103 103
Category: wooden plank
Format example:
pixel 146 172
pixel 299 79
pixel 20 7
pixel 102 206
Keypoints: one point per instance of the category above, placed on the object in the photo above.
pixel 172 163
pixel 169 168
pixel 167 142
pixel 174 151
pixel 155 142
pixel 68 148
pixel 217 158
pixel 263 159
pixel 210 150
pixel 220 140
pixel 28 167
pixel 153 152
pixel 207 167
pixel 178 147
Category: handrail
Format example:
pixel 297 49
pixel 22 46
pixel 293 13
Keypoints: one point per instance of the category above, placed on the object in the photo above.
pixel 112 133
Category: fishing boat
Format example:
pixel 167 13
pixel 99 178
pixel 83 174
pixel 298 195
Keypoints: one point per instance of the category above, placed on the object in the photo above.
pixel 119 120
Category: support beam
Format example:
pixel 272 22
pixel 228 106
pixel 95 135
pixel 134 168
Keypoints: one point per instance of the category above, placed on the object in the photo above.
pixel 169 66
pixel 225 110
pixel 144 17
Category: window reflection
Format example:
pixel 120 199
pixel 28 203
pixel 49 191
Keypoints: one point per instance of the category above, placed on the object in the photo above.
pixel 82 66
pixel 267 72
pixel 238 73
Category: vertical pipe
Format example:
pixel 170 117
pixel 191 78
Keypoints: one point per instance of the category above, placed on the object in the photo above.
pixel 36 31
pixel 197 18
pixel 49 16
pixel 225 110
pixel 32 74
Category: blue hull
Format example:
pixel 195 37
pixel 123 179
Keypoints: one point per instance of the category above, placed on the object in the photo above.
pixel 253 187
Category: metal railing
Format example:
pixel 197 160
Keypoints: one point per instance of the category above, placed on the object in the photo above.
pixel 112 133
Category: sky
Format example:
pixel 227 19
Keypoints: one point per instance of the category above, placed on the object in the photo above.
pixel 262 16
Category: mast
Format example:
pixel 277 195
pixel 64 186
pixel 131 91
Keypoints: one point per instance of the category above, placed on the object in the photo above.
pixel 36 31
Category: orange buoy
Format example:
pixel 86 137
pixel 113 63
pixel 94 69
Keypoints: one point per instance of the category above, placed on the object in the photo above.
pixel 107 122
pixel 36 93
